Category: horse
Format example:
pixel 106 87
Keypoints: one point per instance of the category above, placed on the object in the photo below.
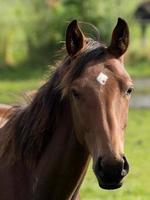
pixel 79 114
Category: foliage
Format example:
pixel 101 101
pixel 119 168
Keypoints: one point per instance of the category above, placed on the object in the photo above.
pixel 32 29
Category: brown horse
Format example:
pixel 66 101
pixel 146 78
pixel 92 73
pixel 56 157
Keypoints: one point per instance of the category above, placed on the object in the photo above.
pixel 81 112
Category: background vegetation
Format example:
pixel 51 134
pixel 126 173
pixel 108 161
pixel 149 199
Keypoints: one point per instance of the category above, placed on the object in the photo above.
pixel 33 29
pixel 33 32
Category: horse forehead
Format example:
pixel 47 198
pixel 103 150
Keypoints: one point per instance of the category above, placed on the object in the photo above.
pixel 93 69
pixel 100 71
pixel 90 73
pixel 114 65
pixel 117 67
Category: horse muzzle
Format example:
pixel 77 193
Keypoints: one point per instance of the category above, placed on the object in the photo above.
pixel 110 175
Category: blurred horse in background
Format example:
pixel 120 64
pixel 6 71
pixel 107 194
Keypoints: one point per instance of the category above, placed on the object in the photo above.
pixel 5 111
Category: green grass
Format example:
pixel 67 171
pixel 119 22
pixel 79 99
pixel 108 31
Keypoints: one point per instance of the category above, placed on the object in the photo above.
pixel 139 70
pixel 14 91
pixel 14 83
pixel 137 183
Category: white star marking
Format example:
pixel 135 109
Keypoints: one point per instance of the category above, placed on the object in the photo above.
pixel 102 78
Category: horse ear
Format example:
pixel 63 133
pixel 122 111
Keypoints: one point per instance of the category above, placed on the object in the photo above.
pixel 120 39
pixel 74 38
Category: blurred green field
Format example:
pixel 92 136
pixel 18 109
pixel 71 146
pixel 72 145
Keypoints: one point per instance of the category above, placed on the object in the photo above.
pixel 137 183
pixel 14 83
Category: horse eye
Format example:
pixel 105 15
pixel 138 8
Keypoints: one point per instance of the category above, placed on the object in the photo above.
pixel 129 91
pixel 75 93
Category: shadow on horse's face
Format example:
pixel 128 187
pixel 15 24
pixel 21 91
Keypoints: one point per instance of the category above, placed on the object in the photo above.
pixel 99 101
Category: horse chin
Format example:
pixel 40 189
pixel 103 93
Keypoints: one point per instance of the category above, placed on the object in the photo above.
pixel 110 186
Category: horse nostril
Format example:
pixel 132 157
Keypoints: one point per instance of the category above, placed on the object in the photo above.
pixel 110 172
pixel 125 167
pixel 99 168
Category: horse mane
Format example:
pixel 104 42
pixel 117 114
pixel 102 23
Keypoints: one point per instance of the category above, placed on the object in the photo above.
pixel 30 128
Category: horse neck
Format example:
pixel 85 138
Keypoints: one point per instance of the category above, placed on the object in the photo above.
pixel 65 161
